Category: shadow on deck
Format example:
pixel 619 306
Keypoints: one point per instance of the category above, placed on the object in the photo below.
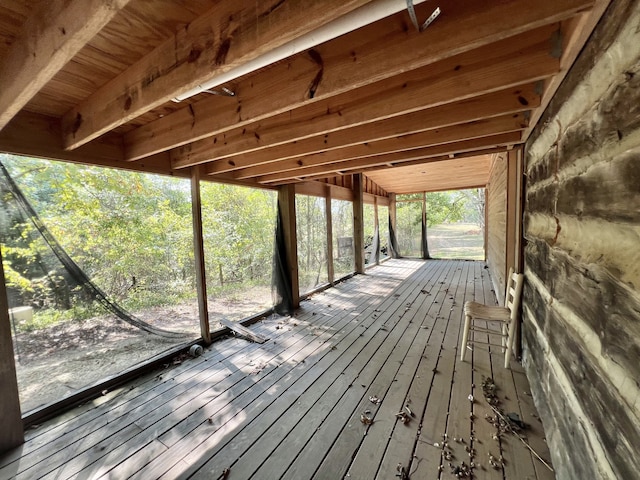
pixel 319 400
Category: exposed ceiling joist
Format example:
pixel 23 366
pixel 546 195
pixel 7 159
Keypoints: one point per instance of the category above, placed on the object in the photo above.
pixel 405 143
pixel 513 100
pixel 522 59
pixel 393 159
pixel 50 37
pixel 230 34
pixel 380 98
pixel 350 62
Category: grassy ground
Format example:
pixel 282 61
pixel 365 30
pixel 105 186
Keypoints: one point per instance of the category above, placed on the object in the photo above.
pixel 459 241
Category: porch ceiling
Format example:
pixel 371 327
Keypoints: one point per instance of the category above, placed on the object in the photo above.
pixel 93 82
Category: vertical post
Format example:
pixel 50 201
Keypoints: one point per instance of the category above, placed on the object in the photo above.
pixel 11 433
pixel 358 223
pixel 394 251
pixel 330 270
pixel 198 251
pixel 424 239
pixel 486 221
pixel 392 211
pixel 518 262
pixel 512 209
pixel 287 201
pixel 376 229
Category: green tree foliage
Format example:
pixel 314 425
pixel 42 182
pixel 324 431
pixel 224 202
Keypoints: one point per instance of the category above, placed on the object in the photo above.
pixel 342 219
pixel 312 241
pixel 238 229
pixel 130 232
pixel 441 207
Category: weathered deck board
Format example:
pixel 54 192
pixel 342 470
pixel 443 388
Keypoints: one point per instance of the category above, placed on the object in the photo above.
pixel 291 408
pixel 483 443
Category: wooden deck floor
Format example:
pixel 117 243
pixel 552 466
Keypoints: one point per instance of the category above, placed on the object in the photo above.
pixel 292 407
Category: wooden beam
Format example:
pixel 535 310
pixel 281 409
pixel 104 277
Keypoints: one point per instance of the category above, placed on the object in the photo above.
pixel 287 201
pixel 484 106
pixel 237 328
pixel 358 222
pixel 519 61
pixel 232 33
pixel 376 227
pixel 36 135
pixel 349 62
pixel 456 133
pixel 392 221
pixel 327 205
pixel 511 210
pixel 50 37
pixel 11 434
pixel 198 252
pixel 318 189
pixel 468 147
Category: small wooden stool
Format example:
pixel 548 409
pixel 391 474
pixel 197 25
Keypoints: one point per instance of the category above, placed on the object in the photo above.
pixel 506 316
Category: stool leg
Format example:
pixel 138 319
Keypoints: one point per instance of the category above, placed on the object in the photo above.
pixel 465 336
pixel 510 335
pixel 505 336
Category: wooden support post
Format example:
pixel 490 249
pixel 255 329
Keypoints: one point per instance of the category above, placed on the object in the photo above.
pixel 358 222
pixel 12 433
pixel 393 221
pixel 486 223
pixel 330 270
pixel 287 201
pixel 514 223
pixel 519 201
pixel 198 250
pixel 392 211
pixel 376 228
pixel 511 211
pixel 425 247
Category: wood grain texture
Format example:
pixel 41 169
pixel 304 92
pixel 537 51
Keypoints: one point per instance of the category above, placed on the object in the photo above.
pixel 50 37
pixel 519 61
pixel 496 204
pixel 462 27
pixel 290 408
pixel 403 143
pixel 482 107
pixel 582 297
pixel 229 35
pixel 417 156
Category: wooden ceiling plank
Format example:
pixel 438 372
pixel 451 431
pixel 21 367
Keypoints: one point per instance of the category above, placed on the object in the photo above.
pixel 446 135
pixel 50 37
pixel 482 107
pixel 230 34
pixel 487 70
pixel 350 62
pixel 444 174
pixel 396 158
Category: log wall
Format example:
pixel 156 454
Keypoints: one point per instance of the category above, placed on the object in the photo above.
pixel 581 304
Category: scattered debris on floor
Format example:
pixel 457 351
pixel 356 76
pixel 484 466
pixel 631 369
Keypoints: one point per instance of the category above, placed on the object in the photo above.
pixel 365 418
pixel 505 423
pixel 225 474
pixel 403 417
pixel 402 472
